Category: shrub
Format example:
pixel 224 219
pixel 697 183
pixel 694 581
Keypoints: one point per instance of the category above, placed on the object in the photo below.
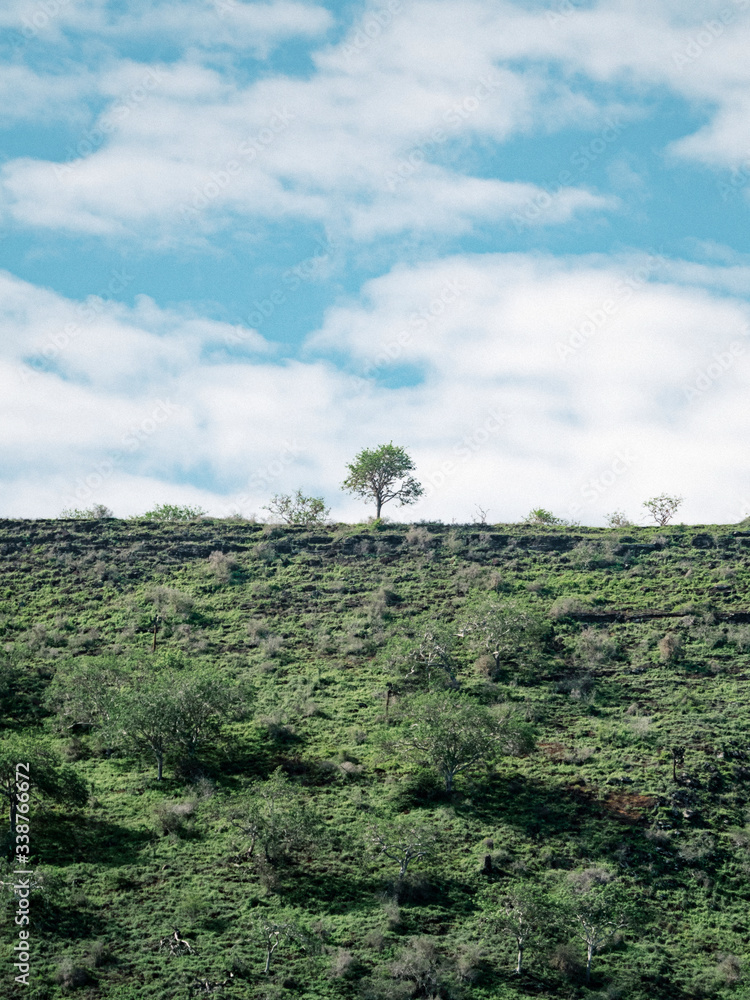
pixel 421 964
pixel 594 648
pixel 541 516
pixel 729 970
pixel 272 646
pixel 618 519
pixel 670 648
pixel 97 512
pixel 222 565
pixel 454 543
pixel 420 538
pixel 170 602
pixel 173 512
pixel 279 822
pixel 566 959
pixel 565 606
pixel 173 817
pixel 298 509
pixel 100 954
pixel 257 631
pixel 70 976
pixel 343 964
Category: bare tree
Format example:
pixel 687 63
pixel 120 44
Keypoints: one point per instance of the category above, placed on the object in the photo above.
pixel 430 655
pixel 480 516
pixel 421 964
pixel 522 910
pixel 601 906
pixel 500 629
pixel 618 519
pixel 274 933
pixel 282 928
pixel 402 841
pixel 663 508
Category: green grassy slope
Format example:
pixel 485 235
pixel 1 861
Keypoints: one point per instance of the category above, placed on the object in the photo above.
pixel 312 625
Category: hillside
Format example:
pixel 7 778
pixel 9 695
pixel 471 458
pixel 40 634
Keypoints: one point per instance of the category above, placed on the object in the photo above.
pixel 631 671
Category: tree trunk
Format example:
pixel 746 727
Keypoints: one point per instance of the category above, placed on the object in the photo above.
pixel 270 949
pixel 159 765
pixel 378 506
pixel 449 782
pixel 519 961
pixel 589 956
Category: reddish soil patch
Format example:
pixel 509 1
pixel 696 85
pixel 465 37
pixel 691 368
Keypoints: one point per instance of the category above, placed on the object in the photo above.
pixel 628 806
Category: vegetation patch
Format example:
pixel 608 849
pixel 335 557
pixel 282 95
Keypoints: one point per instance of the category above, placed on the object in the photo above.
pixel 376 761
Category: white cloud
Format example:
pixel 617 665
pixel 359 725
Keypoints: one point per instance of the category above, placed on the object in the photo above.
pixel 652 385
pixel 328 147
pixel 361 144
pixel 32 97
pixel 256 27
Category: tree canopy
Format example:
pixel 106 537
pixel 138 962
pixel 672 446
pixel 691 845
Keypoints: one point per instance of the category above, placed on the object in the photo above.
pixel 382 474
pixel 172 713
pixel 48 777
pixel 454 734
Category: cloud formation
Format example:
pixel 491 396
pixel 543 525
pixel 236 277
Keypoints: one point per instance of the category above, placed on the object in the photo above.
pixel 538 377
pixel 465 160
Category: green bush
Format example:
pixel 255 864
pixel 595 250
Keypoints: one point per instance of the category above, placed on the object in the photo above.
pixel 172 512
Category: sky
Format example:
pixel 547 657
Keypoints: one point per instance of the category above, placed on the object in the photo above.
pixel 243 241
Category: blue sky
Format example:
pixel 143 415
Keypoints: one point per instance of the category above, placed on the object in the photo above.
pixel 243 241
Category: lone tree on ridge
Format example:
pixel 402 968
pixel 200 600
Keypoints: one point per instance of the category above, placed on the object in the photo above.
pixel 382 474
pixel 663 508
